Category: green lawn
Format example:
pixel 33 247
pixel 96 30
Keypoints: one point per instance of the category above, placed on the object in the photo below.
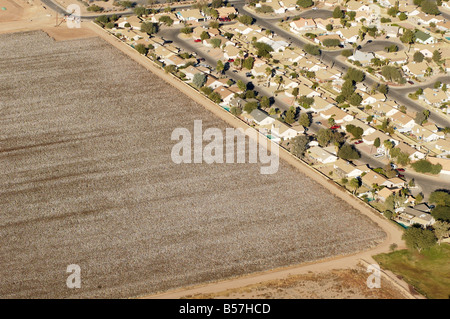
pixel 428 272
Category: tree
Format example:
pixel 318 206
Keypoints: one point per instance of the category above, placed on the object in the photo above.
pixel 290 115
pixel 186 30
pixel 354 184
pixel 311 49
pixel 436 56
pixel 347 53
pixel 298 145
pixel 338 13
pixel 215 97
pixel 241 85
pixel 348 152
pixel 265 102
pixel 441 213
pixel 244 19
pixel 279 80
pixel 166 20
pixel 94 8
pixel 236 111
pixel 392 11
pixel 392 73
pixel 424 166
pixel 351 15
pixel 329 27
pixel 215 42
pixel 220 67
pixel 418 238
pixel 354 75
pixel 403 16
pixel 441 230
pixel 305 101
pixel 421 117
pixel 419 198
pixel 355 99
pixel 324 137
pixel 304 120
pixel 199 80
pixel 264 9
pixel 356 131
pixel 331 42
pixel 140 11
pixel 429 7
pixel 407 37
pixel 377 143
pixel 141 49
pixel 204 36
pixel 418 57
pixel 440 197
pixel 263 49
pixel 170 68
pixel 216 4
pixel 109 25
pixel 305 3
pixel 250 106
pixel 149 27
pixel 248 63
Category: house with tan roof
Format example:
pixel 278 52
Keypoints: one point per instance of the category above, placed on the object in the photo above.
pixel 370 139
pixel 444 162
pixel 350 35
pixel 417 69
pixel 338 114
pixel 289 5
pixel 190 15
pixel 133 21
pixel 302 24
pixel 434 97
pixel 367 129
pixel 410 216
pixel 281 131
pixel 318 154
pixel 424 134
pixel 373 178
pixel 414 154
pixel 346 169
pixel 402 122
pixel 231 52
pixel 225 93
pixel 224 12
pixel 383 194
pixel 320 104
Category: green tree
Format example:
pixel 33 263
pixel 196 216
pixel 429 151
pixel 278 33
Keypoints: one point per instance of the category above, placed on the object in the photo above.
pixel 236 111
pixel 149 27
pixel 338 13
pixel 220 66
pixel 324 137
pixel 354 75
pixel 436 56
pixel 140 11
pixel 298 145
pixel 354 184
pixel 403 16
pixel 290 115
pixel 265 102
pixel 141 49
pixel 215 97
pixel 441 213
pixel 418 57
pixel 355 99
pixel 305 3
pixel 248 63
pixel 441 230
pixel 305 120
pixel 263 49
pixel 377 142
pixel 418 238
pixel 311 49
pixel 348 152
pixel 250 106
pixel 199 80
pixel 407 37
pixel 245 19
pixel 166 20
pixel 215 42
pixel 204 36
pixel 241 85
pixel 429 7
pixel 441 198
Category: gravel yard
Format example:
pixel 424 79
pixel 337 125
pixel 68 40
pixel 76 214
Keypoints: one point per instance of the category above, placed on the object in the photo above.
pixel 87 179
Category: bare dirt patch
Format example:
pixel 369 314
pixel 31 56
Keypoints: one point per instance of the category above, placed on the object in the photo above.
pixel 87 179
pixel 63 33
pixel 334 284
pixel 10 11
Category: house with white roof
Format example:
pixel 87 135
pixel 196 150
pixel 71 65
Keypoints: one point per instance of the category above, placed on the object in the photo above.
pixel 318 154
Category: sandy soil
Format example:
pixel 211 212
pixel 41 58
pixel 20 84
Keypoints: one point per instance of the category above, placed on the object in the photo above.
pixel 334 284
pixel 13 11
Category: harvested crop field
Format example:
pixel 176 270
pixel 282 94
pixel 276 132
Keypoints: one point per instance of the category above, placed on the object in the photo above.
pixel 87 179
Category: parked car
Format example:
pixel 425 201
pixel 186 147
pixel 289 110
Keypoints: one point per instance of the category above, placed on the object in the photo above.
pixel 358 142
pixel 197 40
pixel 394 166
pixel 400 176
pixel 235 71
pixel 224 19
pixel 400 169
pixel 334 127
pixel 231 60
pixel 410 82
pixel 320 123
pixel 248 74
pixel 378 155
